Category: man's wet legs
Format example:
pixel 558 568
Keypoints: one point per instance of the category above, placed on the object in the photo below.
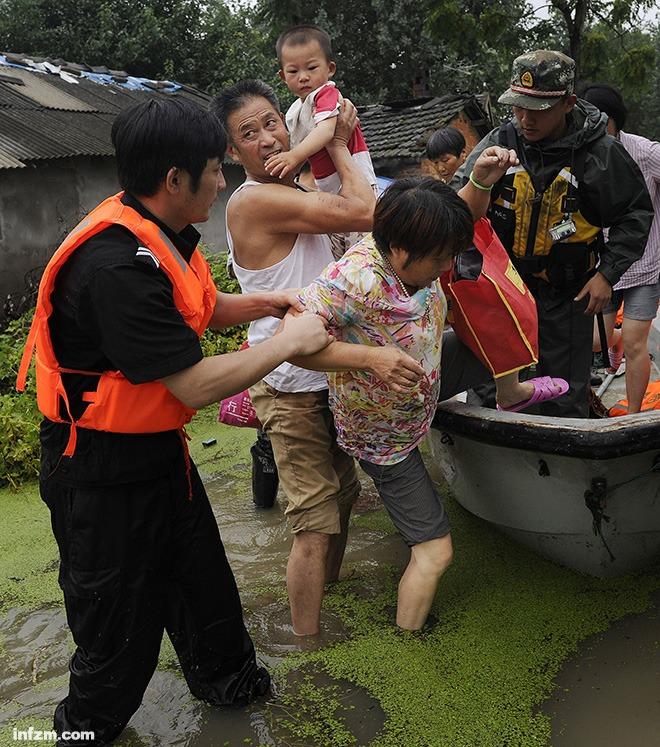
pixel 120 549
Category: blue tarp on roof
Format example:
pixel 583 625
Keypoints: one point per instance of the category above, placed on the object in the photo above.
pixel 37 124
pixel 130 82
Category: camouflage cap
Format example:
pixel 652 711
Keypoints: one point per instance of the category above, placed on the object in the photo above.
pixel 539 79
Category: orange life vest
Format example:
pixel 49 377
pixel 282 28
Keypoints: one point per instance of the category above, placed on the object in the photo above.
pixel 116 405
pixel 650 401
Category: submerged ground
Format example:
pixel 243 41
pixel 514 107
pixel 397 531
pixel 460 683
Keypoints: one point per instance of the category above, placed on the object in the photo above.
pixel 504 621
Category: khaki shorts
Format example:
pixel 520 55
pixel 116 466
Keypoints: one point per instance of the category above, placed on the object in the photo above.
pixel 318 478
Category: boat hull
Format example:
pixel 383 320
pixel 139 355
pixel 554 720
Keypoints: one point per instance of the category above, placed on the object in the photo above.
pixel 585 494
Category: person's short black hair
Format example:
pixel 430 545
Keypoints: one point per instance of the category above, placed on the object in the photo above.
pixel 608 100
pixel 303 34
pixel 232 98
pixel 424 216
pixel 152 137
pixel 443 141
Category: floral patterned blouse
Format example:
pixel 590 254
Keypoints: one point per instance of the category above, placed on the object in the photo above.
pixel 364 303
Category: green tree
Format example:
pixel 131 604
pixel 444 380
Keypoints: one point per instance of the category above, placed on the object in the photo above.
pixel 630 63
pixel 616 46
pixel 382 47
pixel 483 36
pixel 151 39
pixel 622 17
pixel 231 46
pixel 191 41
pixel 607 38
pixel 647 116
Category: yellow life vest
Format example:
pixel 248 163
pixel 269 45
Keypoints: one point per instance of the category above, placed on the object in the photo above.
pixel 523 218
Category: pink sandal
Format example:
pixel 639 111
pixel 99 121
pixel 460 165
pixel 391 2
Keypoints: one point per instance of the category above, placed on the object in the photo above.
pixel 544 391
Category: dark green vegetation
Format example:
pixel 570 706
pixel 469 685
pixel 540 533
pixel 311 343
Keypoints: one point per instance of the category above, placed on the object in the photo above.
pixel 226 340
pixel 382 46
pixel 19 417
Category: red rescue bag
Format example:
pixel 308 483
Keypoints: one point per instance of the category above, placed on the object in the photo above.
pixel 238 409
pixel 650 401
pixel 489 306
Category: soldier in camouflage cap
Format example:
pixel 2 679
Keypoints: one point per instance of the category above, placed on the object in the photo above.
pixel 549 212
pixel 539 79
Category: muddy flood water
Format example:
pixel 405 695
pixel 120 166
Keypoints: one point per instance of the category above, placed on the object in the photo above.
pixel 607 695
pixel 37 645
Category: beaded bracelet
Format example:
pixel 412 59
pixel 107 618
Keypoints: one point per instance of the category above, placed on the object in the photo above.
pixel 477 184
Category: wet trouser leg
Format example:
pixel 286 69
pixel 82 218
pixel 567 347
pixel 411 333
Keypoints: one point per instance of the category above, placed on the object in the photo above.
pixel 204 613
pixel 565 343
pixel 461 369
pixel 135 559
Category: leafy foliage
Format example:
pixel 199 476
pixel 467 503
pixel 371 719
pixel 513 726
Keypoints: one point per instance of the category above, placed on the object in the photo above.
pixel 19 416
pixel 232 47
pixel 482 38
pixel 382 47
pixel 19 443
pixel 207 45
pixel 12 342
pixel 632 65
pixel 226 340
pixel 618 20
pixel 608 39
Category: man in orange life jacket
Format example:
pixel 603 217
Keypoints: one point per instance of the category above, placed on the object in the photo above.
pixel 120 370
pixel 549 211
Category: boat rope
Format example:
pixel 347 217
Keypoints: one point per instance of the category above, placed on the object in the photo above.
pixel 595 500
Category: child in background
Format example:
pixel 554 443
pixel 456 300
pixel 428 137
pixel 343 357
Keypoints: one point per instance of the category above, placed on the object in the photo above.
pixel 446 152
pixel 385 291
pixel 304 54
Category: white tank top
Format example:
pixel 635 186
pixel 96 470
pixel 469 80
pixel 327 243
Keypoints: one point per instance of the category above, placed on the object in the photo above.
pixel 309 256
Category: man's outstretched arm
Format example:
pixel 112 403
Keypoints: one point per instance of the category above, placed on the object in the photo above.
pixel 235 308
pixel 388 363
pixel 220 376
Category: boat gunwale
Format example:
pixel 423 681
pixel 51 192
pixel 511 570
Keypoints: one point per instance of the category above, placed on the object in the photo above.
pixel 605 438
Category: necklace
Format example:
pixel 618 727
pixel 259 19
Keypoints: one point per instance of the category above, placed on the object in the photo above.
pixel 427 308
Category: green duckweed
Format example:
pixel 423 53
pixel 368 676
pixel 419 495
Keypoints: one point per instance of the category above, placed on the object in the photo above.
pixel 505 620
pixel 29 559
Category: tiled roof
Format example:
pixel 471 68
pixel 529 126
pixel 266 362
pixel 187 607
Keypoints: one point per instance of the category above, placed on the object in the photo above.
pixel 398 132
pixel 56 109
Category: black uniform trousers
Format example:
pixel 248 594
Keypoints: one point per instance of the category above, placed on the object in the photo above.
pixel 136 560
pixel 565 348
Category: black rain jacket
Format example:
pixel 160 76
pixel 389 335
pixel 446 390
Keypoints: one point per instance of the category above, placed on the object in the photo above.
pixel 612 194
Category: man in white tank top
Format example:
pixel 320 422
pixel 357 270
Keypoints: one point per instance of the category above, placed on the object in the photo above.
pixel 278 235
